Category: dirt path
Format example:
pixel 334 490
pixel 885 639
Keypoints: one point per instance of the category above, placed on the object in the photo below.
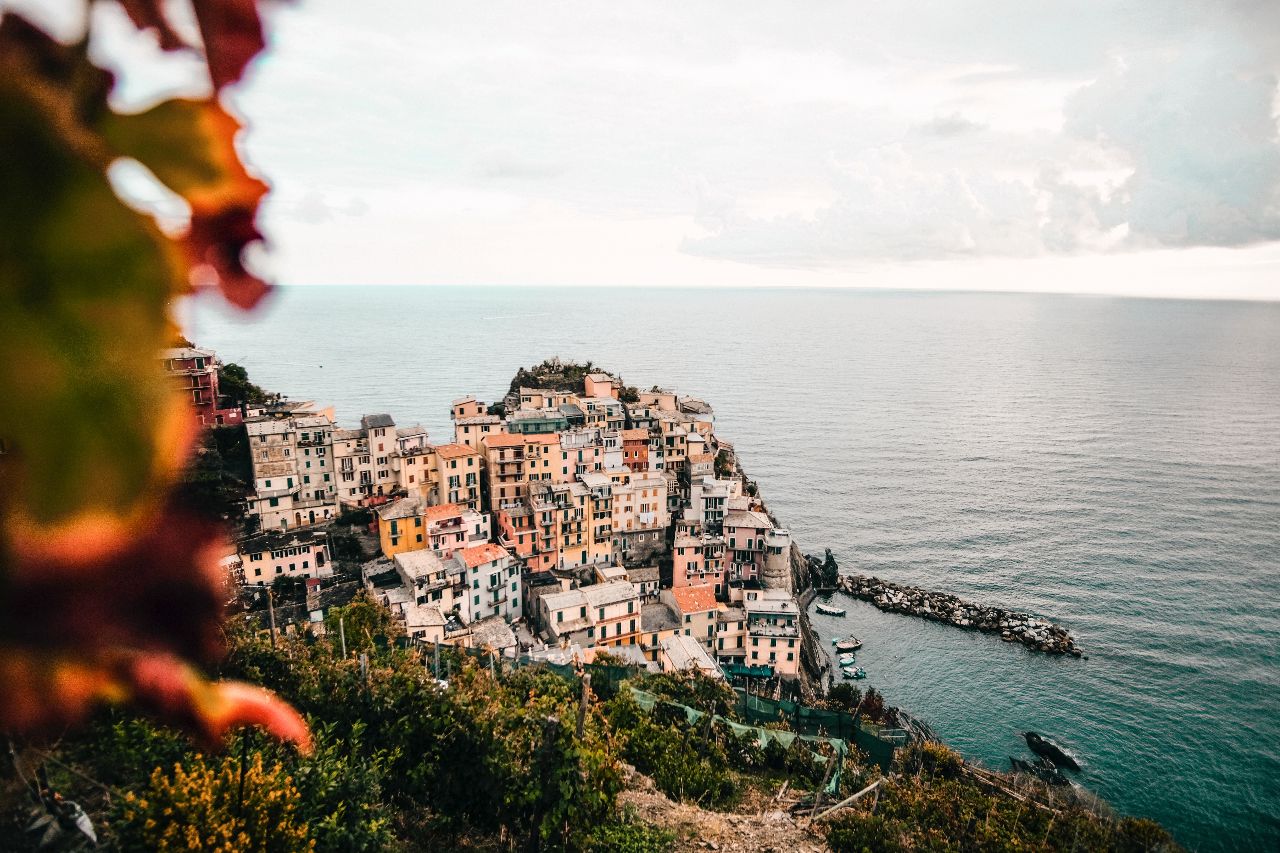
pixel 699 829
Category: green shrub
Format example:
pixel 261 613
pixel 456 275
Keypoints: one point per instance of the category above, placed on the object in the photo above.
pixel 630 838
pixel 198 806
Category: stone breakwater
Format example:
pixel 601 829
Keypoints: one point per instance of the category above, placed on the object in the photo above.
pixel 1032 631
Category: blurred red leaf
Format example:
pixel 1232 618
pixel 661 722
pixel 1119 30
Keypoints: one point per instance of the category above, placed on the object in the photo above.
pixel 232 34
pixel 231 31
pixel 147 15
pixel 44 693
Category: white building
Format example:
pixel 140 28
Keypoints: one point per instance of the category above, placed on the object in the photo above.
pixel 679 653
pixel 293 469
pixel 492 578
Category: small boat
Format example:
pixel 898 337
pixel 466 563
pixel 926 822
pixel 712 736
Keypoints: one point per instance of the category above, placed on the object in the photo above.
pixel 853 672
pixel 1042 770
pixel 1050 750
pixel 846 659
pixel 850 645
pixel 828 610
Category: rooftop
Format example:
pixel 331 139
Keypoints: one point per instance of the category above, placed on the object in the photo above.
pixel 694 599
pixel 747 518
pixel 492 633
pixel 187 352
pixel 455 451
pixel 279 541
pixel 478 555
pixel 687 653
pixel 378 421
pixel 439 512
pixel 402 508
pixel 601 594
pixel 657 616
pixel 419 564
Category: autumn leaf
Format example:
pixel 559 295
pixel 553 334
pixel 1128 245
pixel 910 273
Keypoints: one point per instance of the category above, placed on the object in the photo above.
pixel 106 588
pixel 230 29
pixel 208 174
pixel 47 692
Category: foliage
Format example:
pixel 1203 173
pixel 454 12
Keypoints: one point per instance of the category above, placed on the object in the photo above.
pixel 233 382
pixel 355 516
pixel 204 805
pixel 695 689
pixel 340 790
pixel 724 465
pixel 629 838
pixel 556 375
pixel 362 620
pixel 347 547
pixel 843 696
pixel 933 805
pixel 683 765
pixel 111 588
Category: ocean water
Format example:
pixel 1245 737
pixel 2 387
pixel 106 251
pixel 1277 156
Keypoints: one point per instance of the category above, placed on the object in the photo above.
pixel 1112 464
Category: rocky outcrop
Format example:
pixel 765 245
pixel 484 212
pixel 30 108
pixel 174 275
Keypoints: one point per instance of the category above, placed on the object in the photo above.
pixel 1013 627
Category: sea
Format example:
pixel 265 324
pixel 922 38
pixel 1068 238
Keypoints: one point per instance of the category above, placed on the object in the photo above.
pixel 1111 464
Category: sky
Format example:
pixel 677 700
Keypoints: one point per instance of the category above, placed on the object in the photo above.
pixel 1095 147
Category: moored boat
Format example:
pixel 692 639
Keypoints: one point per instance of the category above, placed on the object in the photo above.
pixel 850 645
pixel 828 610
pixel 853 672
pixel 846 659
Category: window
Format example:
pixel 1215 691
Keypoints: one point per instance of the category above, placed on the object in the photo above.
pixel 559 615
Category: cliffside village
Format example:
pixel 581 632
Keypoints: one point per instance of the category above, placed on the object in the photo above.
pixel 567 523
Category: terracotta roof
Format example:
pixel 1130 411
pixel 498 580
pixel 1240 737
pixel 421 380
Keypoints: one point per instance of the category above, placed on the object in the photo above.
pixel 635 434
pixel 478 555
pixel 453 451
pixel 694 599
pixel 503 440
pixel 435 513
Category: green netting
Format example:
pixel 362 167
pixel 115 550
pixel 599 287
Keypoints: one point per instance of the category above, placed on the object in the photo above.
pixel 868 737
pixel 811 723
pixel 648 701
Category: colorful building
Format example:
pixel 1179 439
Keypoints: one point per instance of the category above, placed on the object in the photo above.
pixel 195 372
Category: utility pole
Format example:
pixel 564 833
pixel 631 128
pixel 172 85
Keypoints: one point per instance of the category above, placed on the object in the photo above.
pixel 271 611
pixel 342 636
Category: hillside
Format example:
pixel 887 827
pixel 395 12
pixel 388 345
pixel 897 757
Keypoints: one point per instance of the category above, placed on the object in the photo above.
pixel 490 757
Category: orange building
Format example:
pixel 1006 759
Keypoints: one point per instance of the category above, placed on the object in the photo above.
pixel 635 449
pixel 457 475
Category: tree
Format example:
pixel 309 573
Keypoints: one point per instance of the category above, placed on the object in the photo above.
pixel 233 382
pixel 361 620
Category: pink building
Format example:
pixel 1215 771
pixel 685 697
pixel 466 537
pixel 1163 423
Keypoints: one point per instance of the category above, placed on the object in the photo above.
pixel 699 561
pixel 196 373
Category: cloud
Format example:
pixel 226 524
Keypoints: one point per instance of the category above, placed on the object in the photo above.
pixel 952 124
pixel 1198 128
pixel 762 139
pixel 886 208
